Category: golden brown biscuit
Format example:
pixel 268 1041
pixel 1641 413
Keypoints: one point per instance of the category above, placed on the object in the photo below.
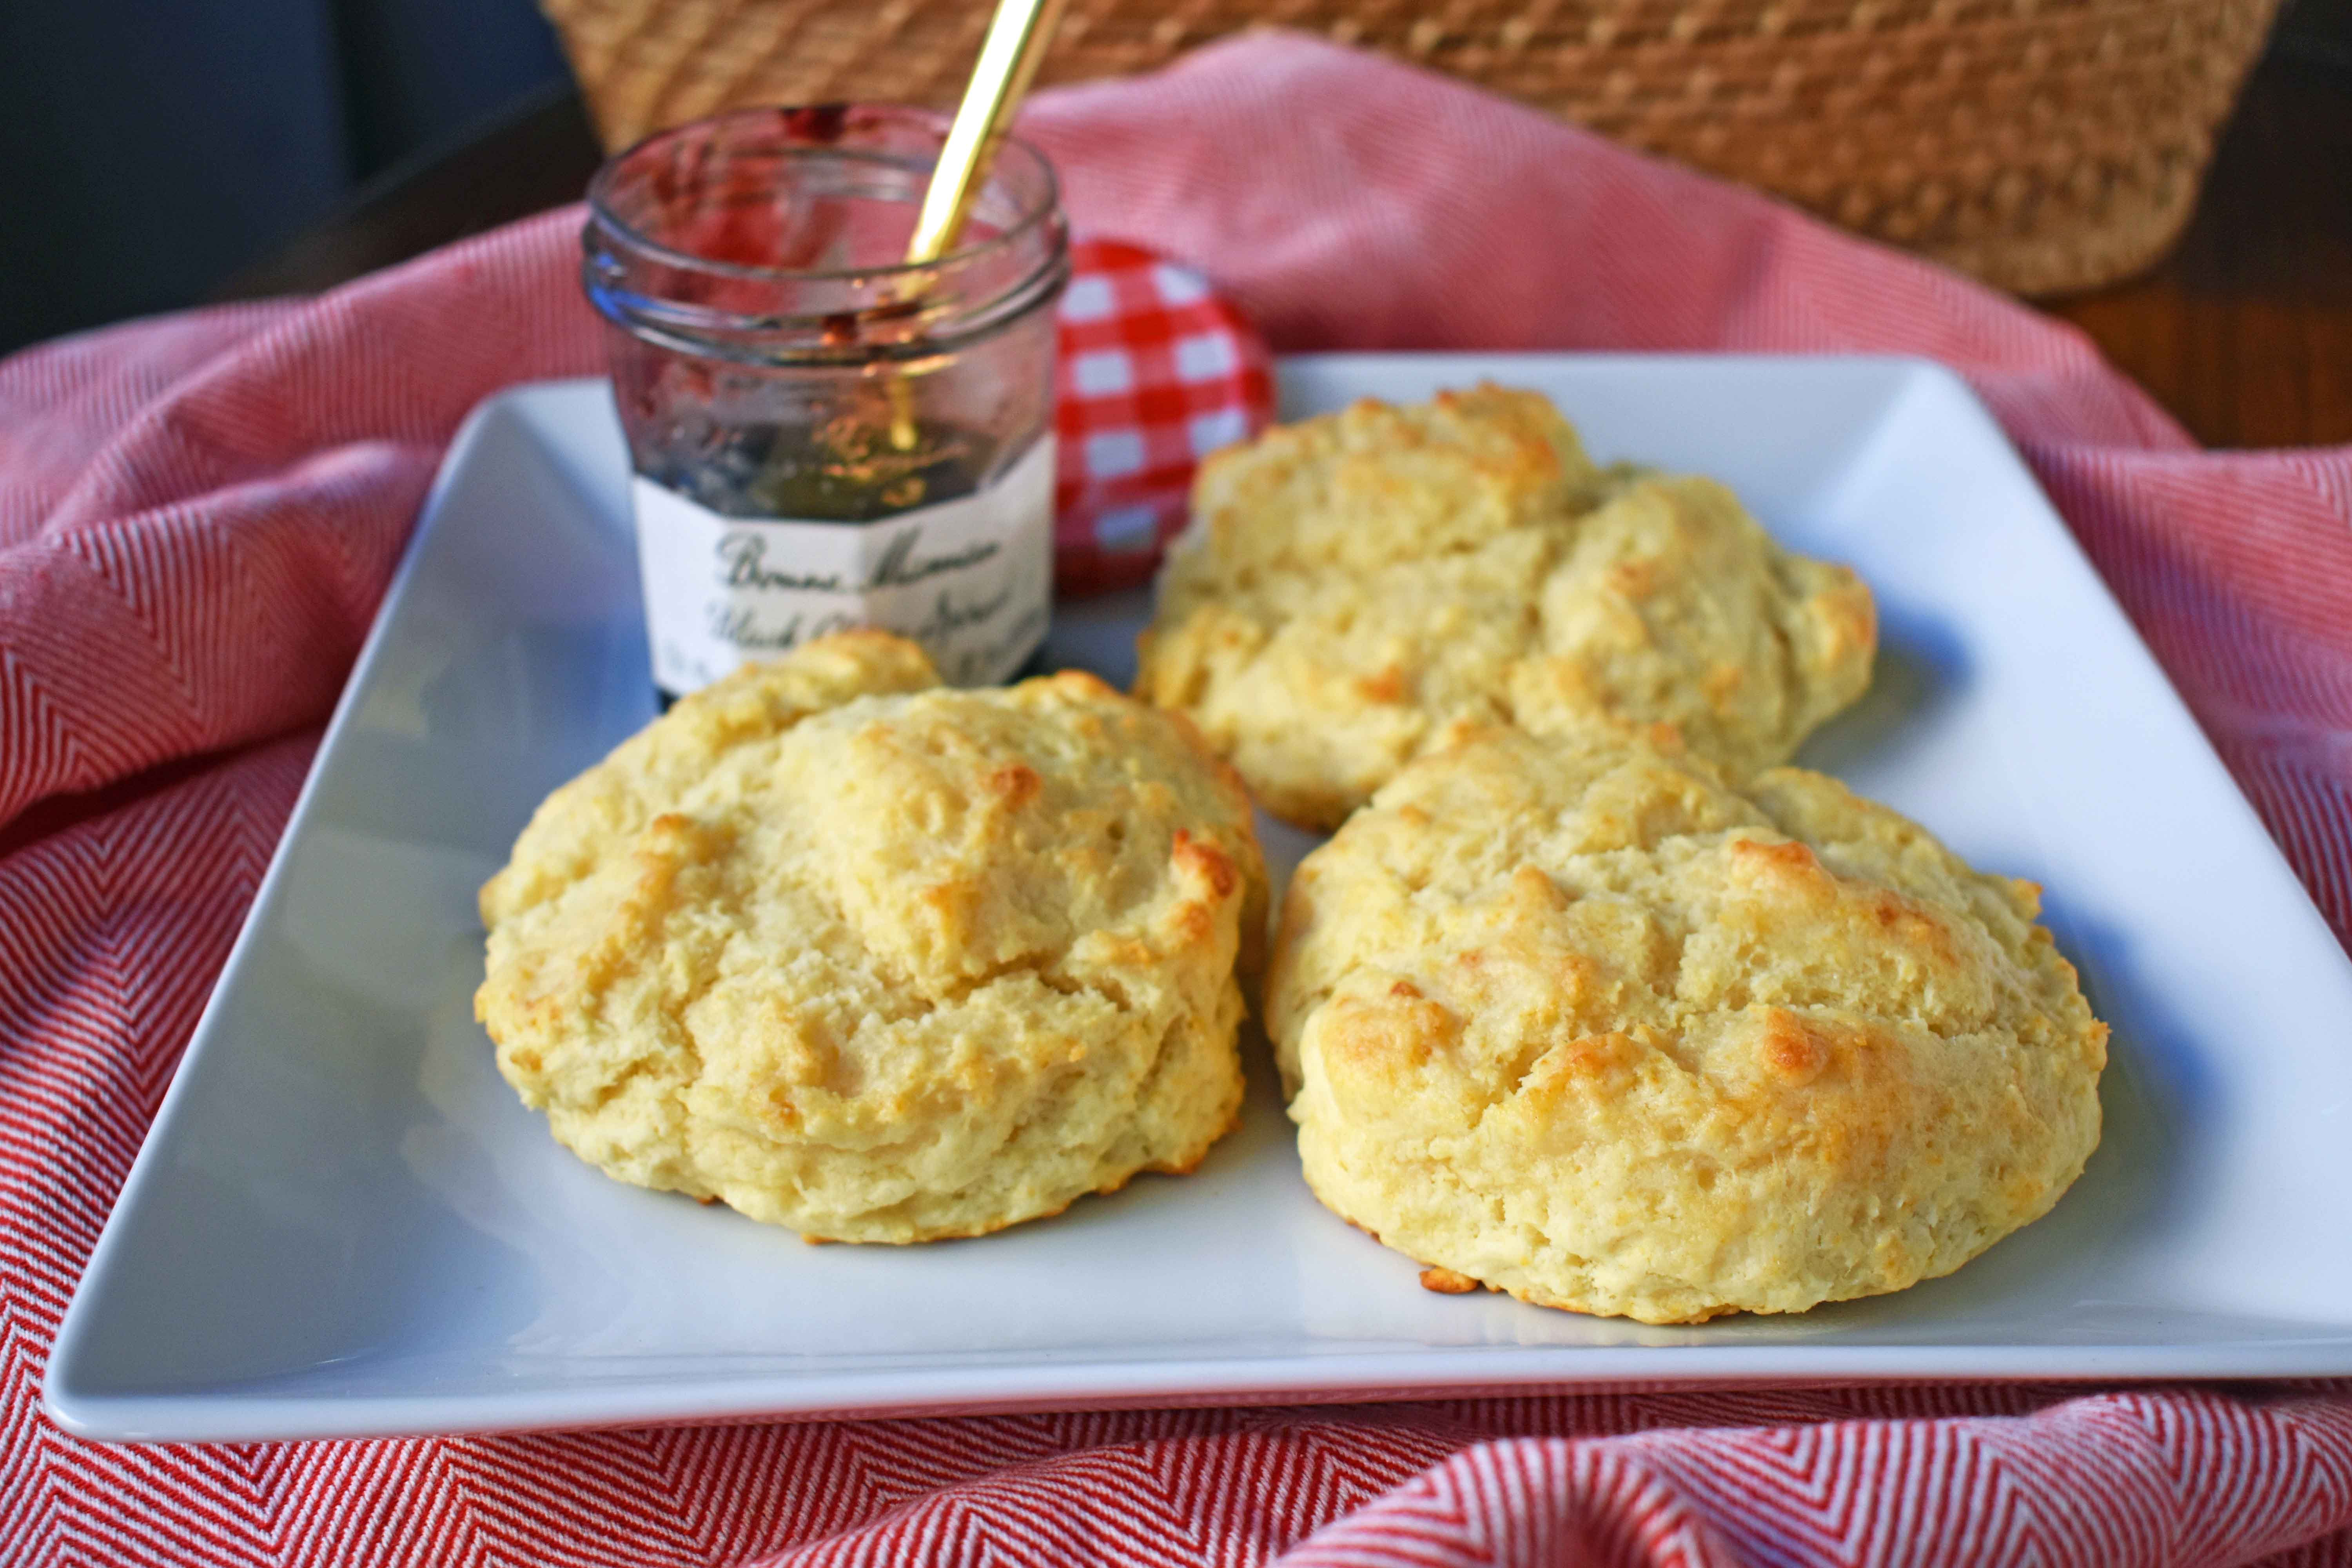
pixel 1570 1016
pixel 1362 588
pixel 879 960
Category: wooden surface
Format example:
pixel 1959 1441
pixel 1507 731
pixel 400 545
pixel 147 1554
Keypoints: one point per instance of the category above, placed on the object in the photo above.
pixel 2244 332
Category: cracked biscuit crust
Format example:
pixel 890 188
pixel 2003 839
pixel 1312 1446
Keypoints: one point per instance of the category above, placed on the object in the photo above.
pixel 880 959
pixel 1359 589
pixel 1570 1016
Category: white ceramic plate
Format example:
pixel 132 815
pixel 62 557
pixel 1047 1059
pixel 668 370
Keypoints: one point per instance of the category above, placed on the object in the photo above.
pixel 343 1222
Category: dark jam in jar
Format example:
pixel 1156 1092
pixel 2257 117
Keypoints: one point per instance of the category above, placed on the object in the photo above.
pixel 849 471
pixel 825 437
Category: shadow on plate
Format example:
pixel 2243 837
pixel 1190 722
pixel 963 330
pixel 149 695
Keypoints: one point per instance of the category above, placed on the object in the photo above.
pixel 1921 670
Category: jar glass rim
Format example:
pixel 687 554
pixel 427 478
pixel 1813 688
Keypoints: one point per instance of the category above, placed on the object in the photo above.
pixel 1048 201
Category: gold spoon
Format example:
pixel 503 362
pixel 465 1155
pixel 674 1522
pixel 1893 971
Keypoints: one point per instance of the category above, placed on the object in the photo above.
pixel 1018 37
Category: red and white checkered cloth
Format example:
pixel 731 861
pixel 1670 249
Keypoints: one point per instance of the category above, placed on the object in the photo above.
pixel 1157 371
pixel 197 516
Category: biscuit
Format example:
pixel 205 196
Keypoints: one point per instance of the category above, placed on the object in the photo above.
pixel 1364 588
pixel 880 959
pixel 1571 1016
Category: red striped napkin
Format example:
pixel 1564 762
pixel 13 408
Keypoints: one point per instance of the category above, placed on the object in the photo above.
pixel 197 516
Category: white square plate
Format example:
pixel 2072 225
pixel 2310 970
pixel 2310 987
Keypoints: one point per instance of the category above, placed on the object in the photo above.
pixel 343 1222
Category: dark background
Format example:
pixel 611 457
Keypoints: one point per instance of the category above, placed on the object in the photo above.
pixel 149 148
pixel 155 153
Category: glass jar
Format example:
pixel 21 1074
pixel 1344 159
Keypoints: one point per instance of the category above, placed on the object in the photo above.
pixel 823 435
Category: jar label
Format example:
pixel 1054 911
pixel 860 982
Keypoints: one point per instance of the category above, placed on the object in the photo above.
pixel 970 579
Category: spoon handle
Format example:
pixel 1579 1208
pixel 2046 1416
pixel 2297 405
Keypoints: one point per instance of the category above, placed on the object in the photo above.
pixel 1018 37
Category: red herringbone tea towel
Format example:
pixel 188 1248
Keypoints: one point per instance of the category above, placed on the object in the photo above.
pixel 197 517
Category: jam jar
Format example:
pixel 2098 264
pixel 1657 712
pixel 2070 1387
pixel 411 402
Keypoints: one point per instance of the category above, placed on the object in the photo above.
pixel 823 435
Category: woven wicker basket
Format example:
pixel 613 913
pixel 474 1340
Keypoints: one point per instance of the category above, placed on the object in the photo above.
pixel 2044 145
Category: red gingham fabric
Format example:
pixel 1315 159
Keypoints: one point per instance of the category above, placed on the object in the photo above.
pixel 1156 373
pixel 197 516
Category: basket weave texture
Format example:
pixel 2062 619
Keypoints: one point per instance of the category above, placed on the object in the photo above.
pixel 2046 146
